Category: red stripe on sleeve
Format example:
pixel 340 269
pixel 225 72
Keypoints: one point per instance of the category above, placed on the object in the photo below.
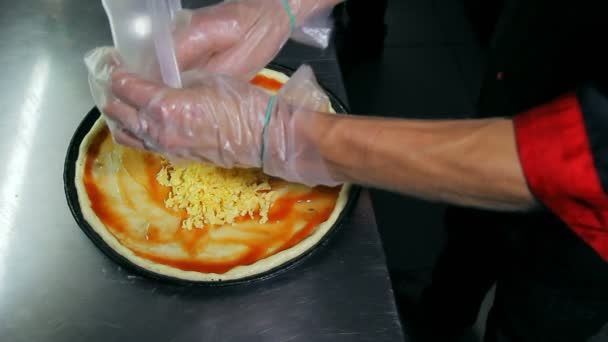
pixel 556 158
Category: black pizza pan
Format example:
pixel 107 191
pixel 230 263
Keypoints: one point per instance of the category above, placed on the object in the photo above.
pixel 69 174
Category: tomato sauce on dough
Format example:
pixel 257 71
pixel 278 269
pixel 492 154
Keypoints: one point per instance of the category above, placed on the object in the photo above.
pixel 212 249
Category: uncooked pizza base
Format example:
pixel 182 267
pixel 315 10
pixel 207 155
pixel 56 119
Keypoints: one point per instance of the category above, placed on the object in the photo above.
pixel 238 272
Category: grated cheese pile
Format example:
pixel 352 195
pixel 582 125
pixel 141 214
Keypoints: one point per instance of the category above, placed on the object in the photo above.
pixel 212 195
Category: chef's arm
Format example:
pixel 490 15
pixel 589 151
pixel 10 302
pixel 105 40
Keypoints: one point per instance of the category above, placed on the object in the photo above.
pixel 558 151
pixel 464 162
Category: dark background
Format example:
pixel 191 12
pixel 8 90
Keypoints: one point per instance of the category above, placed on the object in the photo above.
pixel 431 66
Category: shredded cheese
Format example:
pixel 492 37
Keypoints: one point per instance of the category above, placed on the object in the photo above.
pixel 214 196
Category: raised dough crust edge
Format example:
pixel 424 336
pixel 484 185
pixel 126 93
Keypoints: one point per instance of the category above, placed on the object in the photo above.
pixel 238 272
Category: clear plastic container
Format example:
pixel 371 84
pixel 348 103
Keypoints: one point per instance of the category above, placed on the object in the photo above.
pixel 142 33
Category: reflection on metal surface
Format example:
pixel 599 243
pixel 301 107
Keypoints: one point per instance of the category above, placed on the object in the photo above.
pixel 29 116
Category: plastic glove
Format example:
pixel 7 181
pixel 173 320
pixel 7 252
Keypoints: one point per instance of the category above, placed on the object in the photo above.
pixel 292 152
pixel 240 37
pixel 218 119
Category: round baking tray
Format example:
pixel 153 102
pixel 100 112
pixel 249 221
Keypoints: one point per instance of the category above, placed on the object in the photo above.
pixel 72 198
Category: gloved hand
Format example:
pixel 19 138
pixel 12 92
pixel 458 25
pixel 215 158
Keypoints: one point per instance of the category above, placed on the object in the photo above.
pixel 240 37
pixel 219 119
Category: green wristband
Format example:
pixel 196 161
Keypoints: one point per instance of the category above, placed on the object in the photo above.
pixel 292 17
pixel 266 121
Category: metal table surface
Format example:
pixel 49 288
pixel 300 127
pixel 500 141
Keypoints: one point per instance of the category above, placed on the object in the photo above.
pixel 56 286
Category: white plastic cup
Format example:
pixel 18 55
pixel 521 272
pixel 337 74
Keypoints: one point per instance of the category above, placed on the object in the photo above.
pixel 142 31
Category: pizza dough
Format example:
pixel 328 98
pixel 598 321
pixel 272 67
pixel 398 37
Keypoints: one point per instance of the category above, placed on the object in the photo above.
pixel 124 206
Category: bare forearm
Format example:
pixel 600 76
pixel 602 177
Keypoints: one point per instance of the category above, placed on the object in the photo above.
pixel 464 162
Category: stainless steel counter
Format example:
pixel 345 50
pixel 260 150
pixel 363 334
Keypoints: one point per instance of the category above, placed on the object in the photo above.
pixel 56 286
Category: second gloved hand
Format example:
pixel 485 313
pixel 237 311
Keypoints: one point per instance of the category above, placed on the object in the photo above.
pixel 240 37
pixel 215 119
pixel 224 121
